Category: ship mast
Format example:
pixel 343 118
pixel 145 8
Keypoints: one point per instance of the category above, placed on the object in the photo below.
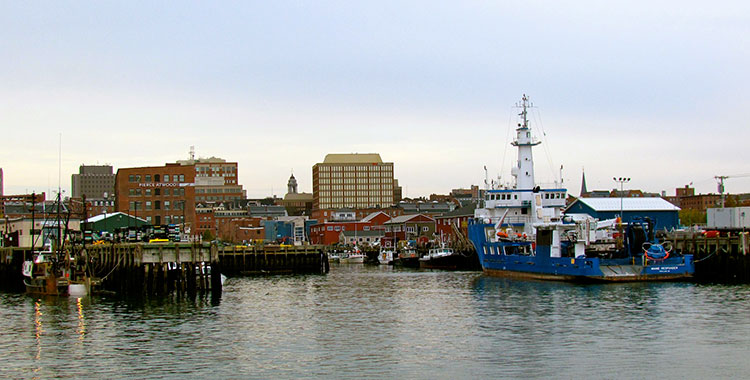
pixel 524 170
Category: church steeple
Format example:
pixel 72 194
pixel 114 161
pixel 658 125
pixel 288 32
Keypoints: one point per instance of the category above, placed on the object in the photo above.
pixel 583 183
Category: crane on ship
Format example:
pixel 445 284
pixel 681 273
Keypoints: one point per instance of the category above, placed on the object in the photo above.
pixel 720 180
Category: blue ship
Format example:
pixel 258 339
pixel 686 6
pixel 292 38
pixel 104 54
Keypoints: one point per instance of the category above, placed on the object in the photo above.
pixel 521 231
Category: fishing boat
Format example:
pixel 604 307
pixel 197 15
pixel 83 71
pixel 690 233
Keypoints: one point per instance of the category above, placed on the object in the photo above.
pixel 407 257
pixel 521 231
pixel 385 256
pixel 43 275
pixel 440 258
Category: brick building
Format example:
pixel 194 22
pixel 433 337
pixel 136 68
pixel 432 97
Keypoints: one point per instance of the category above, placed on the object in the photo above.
pixel 157 194
pixel 215 180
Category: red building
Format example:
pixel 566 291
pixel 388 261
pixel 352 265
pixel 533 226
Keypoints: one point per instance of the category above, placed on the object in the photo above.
pixel 328 233
pixel 459 218
pixel 417 227
pixel 158 194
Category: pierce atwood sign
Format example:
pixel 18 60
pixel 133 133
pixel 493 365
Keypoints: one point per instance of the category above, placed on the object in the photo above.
pixel 165 184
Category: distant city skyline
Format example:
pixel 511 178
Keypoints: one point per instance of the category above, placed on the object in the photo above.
pixel 650 91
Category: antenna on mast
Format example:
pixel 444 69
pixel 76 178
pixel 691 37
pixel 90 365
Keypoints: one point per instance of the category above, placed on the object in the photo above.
pixel 192 152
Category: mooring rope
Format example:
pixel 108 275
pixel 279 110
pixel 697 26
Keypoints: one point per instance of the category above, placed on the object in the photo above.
pixel 113 269
pixel 713 253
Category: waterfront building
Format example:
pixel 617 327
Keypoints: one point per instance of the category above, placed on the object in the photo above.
pixel 663 213
pixel 168 194
pixel 418 227
pixel 158 194
pixel 357 181
pixel 346 220
pixel 458 219
pixel 328 233
pixel 362 238
pixel 112 222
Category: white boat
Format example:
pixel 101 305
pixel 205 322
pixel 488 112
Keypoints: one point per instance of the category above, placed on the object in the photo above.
pixel 354 256
pixel 385 257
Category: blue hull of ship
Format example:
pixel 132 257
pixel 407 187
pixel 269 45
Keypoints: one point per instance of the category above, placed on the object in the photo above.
pixel 541 266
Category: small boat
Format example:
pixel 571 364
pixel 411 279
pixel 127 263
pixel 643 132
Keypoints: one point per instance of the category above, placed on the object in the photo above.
pixel 355 256
pixel 441 258
pixel 334 257
pixel 407 257
pixel 385 256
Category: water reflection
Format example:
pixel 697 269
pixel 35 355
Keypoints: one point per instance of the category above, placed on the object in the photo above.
pixel 383 322
pixel 81 321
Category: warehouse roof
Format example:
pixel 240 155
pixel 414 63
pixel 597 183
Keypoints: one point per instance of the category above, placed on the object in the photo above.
pixel 628 204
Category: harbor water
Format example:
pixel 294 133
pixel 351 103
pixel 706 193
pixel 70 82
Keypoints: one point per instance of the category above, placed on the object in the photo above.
pixel 384 322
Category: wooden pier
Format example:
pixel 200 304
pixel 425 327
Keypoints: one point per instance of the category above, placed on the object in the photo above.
pixel 154 269
pixel 717 259
pixel 241 260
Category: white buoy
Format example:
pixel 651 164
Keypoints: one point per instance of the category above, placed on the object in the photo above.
pixel 77 290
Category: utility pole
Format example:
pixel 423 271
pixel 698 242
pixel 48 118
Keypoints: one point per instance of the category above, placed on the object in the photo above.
pixel 721 179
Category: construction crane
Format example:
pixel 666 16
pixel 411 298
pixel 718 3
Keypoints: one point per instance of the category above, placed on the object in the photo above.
pixel 721 178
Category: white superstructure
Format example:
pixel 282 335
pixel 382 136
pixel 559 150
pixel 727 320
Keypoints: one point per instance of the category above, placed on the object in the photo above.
pixel 515 209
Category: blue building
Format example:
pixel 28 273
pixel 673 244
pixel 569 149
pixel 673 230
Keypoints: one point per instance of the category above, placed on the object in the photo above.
pixel 663 213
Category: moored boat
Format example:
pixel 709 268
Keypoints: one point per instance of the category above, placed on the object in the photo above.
pixel 521 232
pixel 355 256
pixel 42 275
pixel 407 257
pixel 440 258
pixel 385 256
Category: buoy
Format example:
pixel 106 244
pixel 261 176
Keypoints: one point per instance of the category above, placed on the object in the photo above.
pixel 77 290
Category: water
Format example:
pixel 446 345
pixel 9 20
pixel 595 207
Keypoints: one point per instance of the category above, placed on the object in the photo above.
pixel 380 322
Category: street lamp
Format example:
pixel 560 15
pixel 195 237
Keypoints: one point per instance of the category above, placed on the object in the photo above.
pixel 621 181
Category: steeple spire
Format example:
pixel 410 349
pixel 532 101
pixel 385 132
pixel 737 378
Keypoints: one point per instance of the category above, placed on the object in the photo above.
pixel 583 182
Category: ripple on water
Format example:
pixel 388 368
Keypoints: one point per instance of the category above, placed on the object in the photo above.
pixel 378 322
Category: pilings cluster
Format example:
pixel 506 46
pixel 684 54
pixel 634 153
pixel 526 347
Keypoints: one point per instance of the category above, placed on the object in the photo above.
pixel 261 260
pixel 153 268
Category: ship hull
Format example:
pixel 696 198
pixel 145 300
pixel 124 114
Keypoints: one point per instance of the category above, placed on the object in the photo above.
pixel 533 265
pixel 46 286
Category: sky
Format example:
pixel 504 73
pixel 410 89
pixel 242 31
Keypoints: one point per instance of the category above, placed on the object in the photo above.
pixel 651 90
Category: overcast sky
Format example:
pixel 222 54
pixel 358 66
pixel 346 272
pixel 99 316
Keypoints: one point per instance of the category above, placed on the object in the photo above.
pixel 652 90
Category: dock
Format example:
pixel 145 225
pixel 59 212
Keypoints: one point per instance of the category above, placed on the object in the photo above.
pixel 723 259
pixel 155 269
